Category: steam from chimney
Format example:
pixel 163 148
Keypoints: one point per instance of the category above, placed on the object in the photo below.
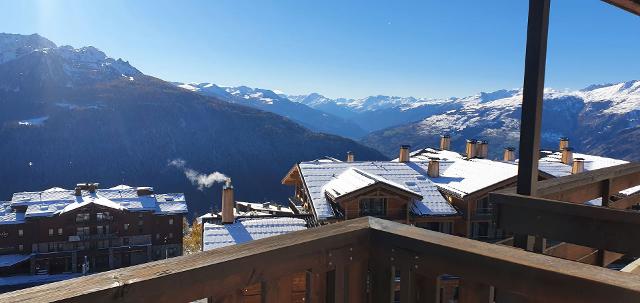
pixel 197 178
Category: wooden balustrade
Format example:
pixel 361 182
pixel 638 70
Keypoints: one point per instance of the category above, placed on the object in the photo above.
pixel 557 212
pixel 361 260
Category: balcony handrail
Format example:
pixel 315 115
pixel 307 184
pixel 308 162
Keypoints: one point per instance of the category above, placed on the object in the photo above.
pixel 339 247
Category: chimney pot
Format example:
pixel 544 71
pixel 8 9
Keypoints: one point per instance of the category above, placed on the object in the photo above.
pixel 567 155
pixel 433 170
pixel 227 203
pixel 404 153
pixel 350 156
pixel 509 154
pixel 470 149
pixel 564 143
pixel 577 166
pixel 482 149
pixel 445 142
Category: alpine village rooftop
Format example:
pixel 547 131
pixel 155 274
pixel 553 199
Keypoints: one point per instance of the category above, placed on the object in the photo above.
pixel 433 225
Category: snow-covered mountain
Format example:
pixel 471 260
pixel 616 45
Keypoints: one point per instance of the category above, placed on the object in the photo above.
pixel 592 117
pixel 70 115
pixel 268 100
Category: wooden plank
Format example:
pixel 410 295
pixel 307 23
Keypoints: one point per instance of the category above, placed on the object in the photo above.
pixel 533 90
pixel 625 203
pixel 589 185
pixel 317 285
pixel 382 278
pixel 541 278
pixel 591 226
pixel 632 6
pixel 212 273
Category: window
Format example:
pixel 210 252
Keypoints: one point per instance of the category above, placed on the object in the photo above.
pixel 99 229
pixel 125 241
pixel 483 206
pixel 84 217
pixel 20 247
pixel 481 230
pixel 50 231
pixel 171 221
pixel 104 216
pixel 170 235
pixel 51 246
pixel 20 233
pixel 82 231
pixel 373 207
pixel 60 231
pixel 126 226
pixel 157 236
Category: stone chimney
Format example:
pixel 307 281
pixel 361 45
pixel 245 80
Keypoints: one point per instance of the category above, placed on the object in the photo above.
pixel 144 191
pixel 433 170
pixel 482 149
pixel 564 143
pixel 350 156
pixel 90 187
pixel 567 155
pixel 404 153
pixel 227 203
pixel 577 166
pixel 509 154
pixel 470 149
pixel 445 142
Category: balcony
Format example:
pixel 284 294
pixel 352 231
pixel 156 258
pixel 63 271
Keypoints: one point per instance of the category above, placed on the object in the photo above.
pixel 351 261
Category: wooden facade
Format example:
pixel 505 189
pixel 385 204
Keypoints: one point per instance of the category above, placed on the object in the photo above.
pixel 351 261
pixel 108 238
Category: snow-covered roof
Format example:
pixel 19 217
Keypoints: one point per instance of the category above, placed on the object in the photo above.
pixel 354 179
pixel 265 207
pixel 8 215
pixel 412 176
pixel 58 200
pixel 552 164
pixel 461 176
pixel 244 230
pixel 13 259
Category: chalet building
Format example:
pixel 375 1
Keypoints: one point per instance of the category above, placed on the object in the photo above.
pixel 333 190
pixel 72 231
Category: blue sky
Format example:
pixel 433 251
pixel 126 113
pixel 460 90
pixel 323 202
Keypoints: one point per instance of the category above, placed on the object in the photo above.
pixel 343 48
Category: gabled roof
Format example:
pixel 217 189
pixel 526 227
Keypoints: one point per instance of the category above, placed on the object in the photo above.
pixel 354 180
pixel 58 200
pixel 410 176
pixel 245 230
pixel 461 176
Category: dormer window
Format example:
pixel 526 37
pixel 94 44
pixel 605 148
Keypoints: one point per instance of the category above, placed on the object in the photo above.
pixel 373 207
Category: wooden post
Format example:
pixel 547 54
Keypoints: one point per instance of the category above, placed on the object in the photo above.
pixel 533 90
pixel 382 283
pixel 356 282
pixel 407 283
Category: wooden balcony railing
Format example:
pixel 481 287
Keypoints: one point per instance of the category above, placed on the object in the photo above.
pixel 557 212
pixel 351 261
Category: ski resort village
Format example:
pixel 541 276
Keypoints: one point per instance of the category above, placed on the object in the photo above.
pixel 117 185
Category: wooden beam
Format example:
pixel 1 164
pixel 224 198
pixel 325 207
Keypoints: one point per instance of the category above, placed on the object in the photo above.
pixel 632 6
pixel 592 226
pixel 538 277
pixel 214 273
pixel 533 90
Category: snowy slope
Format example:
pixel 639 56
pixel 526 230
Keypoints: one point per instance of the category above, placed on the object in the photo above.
pixel 592 117
pixel 268 100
